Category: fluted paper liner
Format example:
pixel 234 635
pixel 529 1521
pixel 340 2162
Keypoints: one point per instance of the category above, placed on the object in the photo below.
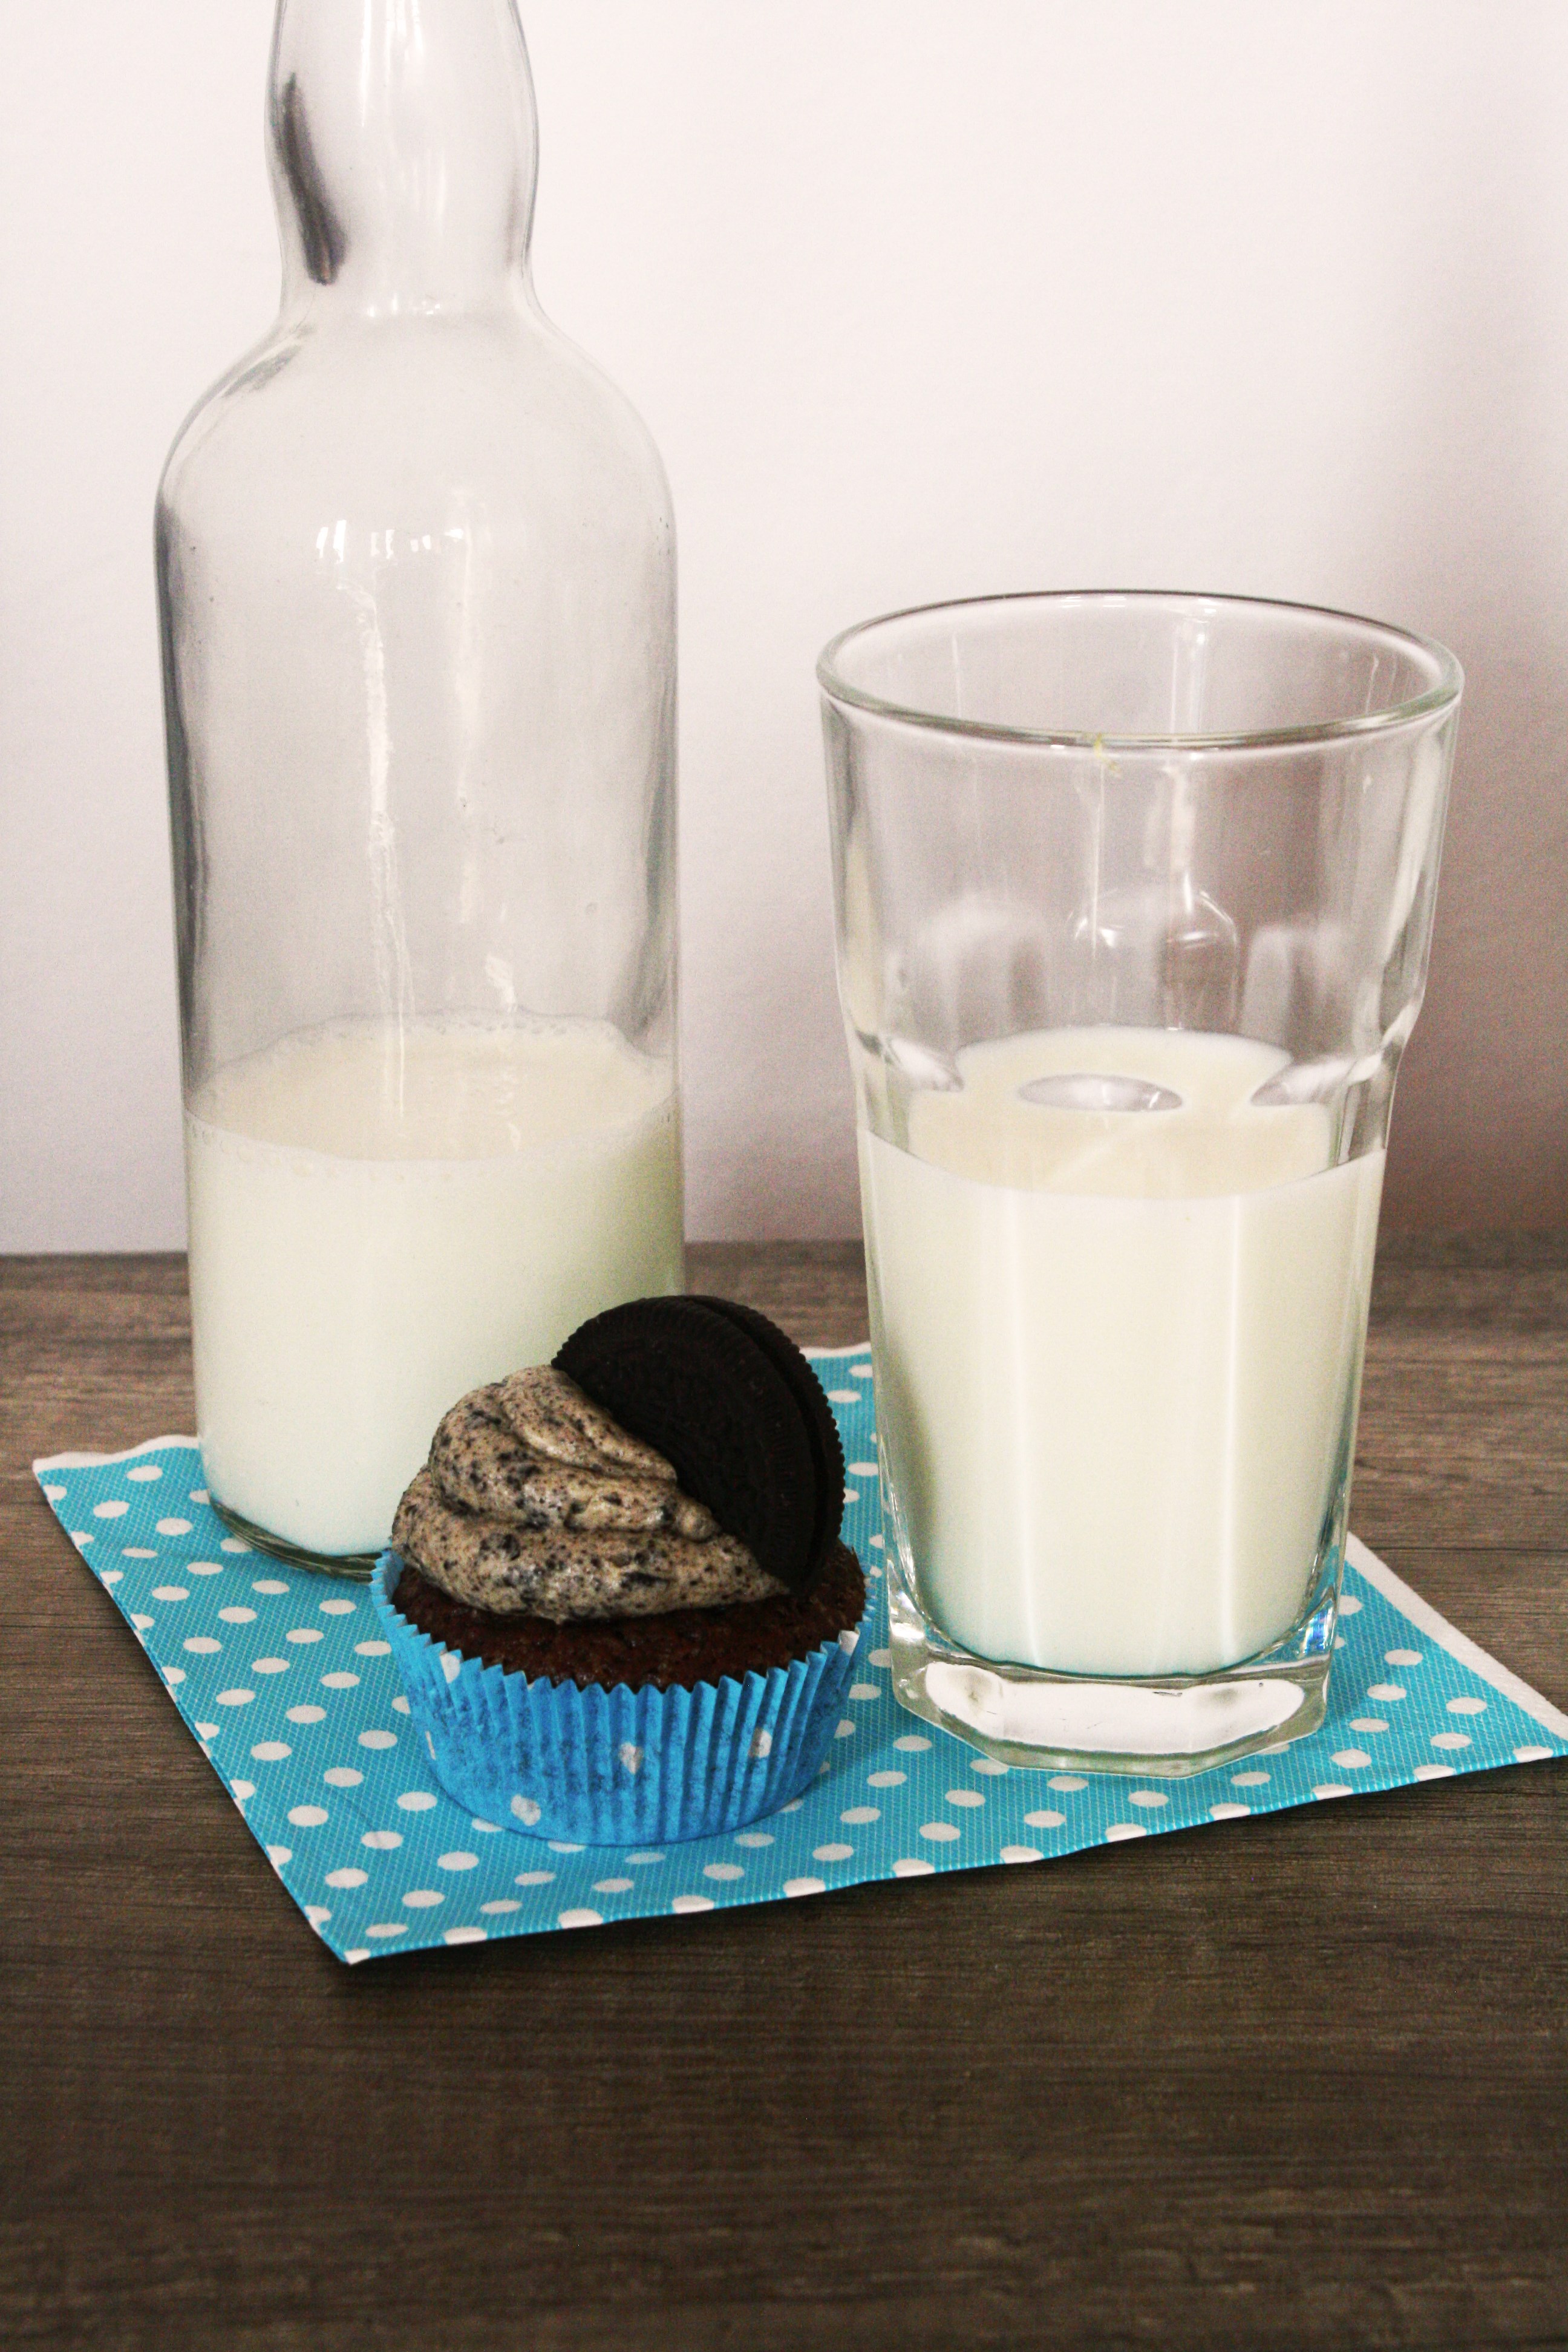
pixel 615 1767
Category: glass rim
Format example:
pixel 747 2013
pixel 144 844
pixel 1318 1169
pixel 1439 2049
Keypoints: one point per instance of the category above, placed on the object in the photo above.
pixel 1442 695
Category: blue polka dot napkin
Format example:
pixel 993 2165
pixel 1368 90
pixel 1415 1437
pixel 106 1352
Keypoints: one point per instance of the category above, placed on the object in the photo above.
pixel 284 1680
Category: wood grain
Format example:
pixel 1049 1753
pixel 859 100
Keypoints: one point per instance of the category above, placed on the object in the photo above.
pixel 1302 2081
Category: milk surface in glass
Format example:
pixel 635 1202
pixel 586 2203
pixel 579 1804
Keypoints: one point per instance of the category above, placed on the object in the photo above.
pixel 384 1216
pixel 1118 1350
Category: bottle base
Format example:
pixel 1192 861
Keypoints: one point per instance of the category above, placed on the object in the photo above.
pixel 357 1566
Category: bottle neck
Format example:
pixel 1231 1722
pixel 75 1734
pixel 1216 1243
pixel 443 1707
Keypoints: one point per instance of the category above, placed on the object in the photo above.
pixel 403 149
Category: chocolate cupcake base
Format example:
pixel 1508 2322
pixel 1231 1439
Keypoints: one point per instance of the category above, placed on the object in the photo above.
pixel 680 1646
pixel 601 1765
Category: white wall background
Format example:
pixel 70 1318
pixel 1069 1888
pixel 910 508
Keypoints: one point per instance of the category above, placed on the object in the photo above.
pixel 920 299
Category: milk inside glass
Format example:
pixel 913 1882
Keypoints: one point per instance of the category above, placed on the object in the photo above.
pixel 1119 1305
pixel 383 1216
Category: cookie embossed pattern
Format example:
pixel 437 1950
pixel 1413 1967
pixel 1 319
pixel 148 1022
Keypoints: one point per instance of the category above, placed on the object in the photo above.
pixel 294 1699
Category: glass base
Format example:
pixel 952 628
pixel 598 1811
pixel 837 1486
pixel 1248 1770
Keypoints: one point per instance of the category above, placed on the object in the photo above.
pixel 1165 1725
pixel 356 1566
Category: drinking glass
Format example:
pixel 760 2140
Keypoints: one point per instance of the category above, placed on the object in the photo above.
pixel 1133 898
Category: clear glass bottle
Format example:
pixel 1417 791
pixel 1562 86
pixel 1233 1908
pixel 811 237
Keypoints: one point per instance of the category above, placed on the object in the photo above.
pixel 416 569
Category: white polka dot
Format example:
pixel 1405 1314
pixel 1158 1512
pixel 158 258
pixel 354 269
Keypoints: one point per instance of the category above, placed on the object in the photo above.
pixel 140 1552
pixel 526 1810
pixel 339 1681
pixel 968 1797
pixel 342 1776
pixel 419 1800
pixel 347 1877
pixel 1147 1798
pixel 1532 1755
pixel 109 1510
pixel 883 1658
pixel 457 1861
pixel 685 1905
pixel 806 1886
pixel 234 1698
pixel 534 1878
pixel 171 1592
pixel 861 1371
pixel 242 1791
pixel 843 1396
pixel 1434 1771
pixel 1349 1605
pixel 1386 1692
pixel 372 1649
pixel 382 1841
pixel 1351 1759
pixel 763 1745
pixel 490 1829
pixel 748 1838
pixel 859 1814
pixel 886 1780
pixel 193 1567
pixel 237 1543
pixel 832 1853
pixel 862 1691
pixel 55 1494
pixel 202 1646
pixel 269 1665
pixel 647 1858
pixel 846 1730
pixel 726 1871
pixel 1118 1831
pixel 991 1766
pixel 1456 1705
pixel 208 1730
pixel 502 1904
pixel 1045 1821
pixel 111 1575
pixel 1368 1723
pixel 465 1936
pixel 1230 1813
pixel 316 1715
pixel 144 1472
pixel 305 1633
pixel 421 1898
pixel 863 1470
pixel 199 1495
pixel 1327 1789
pixel 876 1542
pixel 268 1584
pixel 562 1845
pixel 337 1608
pixel 630 1756
pixel 1022 1854
pixel 911 1744
pixel 1403 1657
pixel 613 1885
pixel 852 1495
pixel 1065 1780
pixel 940 1832
pixel 271 1751
pixel 279 1855
pixel 173 1675
pixel 238 1616
pixel 173 1526
pixel 1339 1641
pixel 1249 1780
pixel 913 1867
pixel 400 1706
pixel 1450 1739
pixel 144 1624
pixel 579 1919
pixel 375 1738
pixel 385 1927
pixel 307 1817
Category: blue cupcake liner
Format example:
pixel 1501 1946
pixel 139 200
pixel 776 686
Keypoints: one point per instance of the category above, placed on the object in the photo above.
pixel 615 1767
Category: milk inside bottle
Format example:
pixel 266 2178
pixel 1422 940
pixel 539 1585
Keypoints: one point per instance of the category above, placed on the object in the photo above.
pixel 382 1217
pixel 1119 1304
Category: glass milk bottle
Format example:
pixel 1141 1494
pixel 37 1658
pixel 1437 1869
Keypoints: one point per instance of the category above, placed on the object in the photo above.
pixel 416 567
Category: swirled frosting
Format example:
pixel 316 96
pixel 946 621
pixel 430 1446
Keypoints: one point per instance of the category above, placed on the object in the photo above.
pixel 535 1502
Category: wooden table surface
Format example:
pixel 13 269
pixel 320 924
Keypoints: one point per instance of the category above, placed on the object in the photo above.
pixel 1300 2081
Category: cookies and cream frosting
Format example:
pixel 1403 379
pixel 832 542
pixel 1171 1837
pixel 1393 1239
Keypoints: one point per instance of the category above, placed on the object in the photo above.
pixel 535 1502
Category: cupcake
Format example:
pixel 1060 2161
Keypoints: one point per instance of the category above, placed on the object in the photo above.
pixel 615 1592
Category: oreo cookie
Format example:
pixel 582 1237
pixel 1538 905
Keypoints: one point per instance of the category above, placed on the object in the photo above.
pixel 732 1404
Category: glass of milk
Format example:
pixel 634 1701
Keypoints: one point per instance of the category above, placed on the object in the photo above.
pixel 1133 897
